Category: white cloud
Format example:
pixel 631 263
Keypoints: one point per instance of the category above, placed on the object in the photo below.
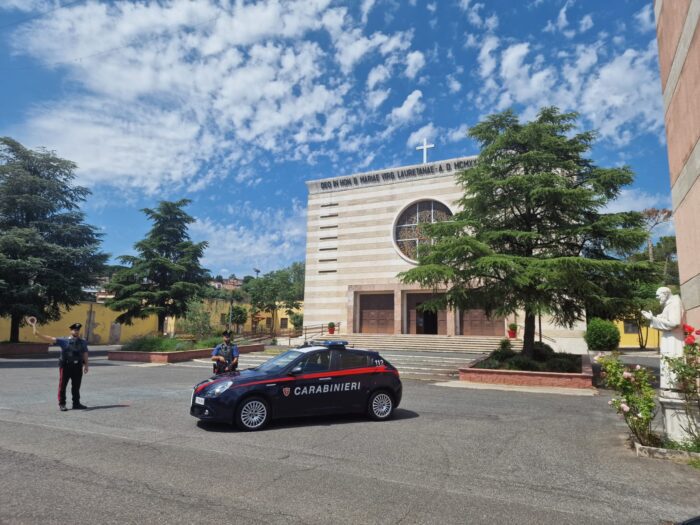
pixel 458 133
pixel 378 75
pixel 411 108
pixel 272 239
pixel 366 7
pixel 377 97
pixel 414 63
pixel 645 19
pixel 427 132
pixel 164 94
pixel 619 97
pixel 487 61
pixel 585 24
pixel 631 199
pixel 453 84
pixel 432 7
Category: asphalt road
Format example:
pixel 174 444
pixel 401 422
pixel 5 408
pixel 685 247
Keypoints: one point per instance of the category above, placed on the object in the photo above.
pixel 451 455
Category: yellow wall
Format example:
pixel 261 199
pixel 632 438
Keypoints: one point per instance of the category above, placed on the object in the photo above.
pixel 632 340
pixel 217 307
pixel 98 326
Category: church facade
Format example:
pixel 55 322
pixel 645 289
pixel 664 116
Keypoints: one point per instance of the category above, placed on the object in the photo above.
pixel 362 230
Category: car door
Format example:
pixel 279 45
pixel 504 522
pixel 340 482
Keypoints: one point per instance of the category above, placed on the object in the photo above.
pixel 311 390
pixel 353 370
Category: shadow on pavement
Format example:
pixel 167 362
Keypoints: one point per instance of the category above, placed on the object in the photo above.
pixel 309 421
pixel 102 407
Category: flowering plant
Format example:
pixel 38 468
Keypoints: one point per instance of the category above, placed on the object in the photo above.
pixel 635 398
pixel 686 378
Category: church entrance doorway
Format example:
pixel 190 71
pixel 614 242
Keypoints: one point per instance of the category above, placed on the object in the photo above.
pixel 423 321
pixel 377 313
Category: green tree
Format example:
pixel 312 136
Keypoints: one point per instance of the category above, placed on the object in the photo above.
pixel 532 235
pixel 277 289
pixel 47 252
pixel 238 316
pixel 165 274
pixel 197 320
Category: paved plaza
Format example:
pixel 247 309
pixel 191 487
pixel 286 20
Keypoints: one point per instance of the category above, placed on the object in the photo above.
pixel 451 455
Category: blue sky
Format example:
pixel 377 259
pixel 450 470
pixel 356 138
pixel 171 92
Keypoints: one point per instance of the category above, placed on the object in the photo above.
pixel 235 104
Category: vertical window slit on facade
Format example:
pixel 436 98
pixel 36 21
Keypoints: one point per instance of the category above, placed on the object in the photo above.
pixel 328 205
pixel 329 215
pixel 329 227
pixel 329 238
pixel 328 271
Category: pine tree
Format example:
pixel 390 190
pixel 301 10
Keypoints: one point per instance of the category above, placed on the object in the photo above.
pixel 532 235
pixel 47 252
pixel 165 274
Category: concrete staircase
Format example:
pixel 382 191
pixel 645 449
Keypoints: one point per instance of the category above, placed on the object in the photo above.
pixel 423 343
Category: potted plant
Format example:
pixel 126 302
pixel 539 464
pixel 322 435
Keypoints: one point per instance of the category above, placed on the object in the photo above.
pixel 331 328
pixel 512 330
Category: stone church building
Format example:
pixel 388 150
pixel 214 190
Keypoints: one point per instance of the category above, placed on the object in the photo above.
pixel 361 232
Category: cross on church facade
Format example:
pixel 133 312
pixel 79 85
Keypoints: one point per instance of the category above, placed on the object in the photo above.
pixel 425 147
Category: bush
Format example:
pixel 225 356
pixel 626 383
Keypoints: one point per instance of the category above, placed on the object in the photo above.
pixel 297 320
pixel 635 398
pixel 602 335
pixel 542 352
pixel 564 363
pixel 197 320
pixel 490 363
pixel 504 351
pixel 151 343
pixel 520 362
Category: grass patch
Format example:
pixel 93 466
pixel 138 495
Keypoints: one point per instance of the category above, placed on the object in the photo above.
pixel 544 360
pixel 695 463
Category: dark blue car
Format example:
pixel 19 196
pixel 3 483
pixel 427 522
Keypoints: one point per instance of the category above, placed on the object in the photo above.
pixel 312 380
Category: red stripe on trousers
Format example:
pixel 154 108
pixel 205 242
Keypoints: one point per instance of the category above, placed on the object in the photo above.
pixel 60 381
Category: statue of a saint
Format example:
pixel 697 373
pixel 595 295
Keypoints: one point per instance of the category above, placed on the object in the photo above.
pixel 669 323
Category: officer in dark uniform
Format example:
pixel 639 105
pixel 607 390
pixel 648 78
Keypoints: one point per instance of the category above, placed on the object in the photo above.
pixel 225 355
pixel 72 364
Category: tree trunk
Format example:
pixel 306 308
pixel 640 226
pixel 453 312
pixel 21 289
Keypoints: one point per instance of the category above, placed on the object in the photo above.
pixel 529 334
pixel 161 324
pixel 650 249
pixel 15 321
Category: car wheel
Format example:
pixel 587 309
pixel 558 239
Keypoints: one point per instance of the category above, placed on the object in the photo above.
pixel 380 406
pixel 252 414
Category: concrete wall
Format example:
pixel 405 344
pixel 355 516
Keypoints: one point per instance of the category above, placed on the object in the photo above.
pixel 679 60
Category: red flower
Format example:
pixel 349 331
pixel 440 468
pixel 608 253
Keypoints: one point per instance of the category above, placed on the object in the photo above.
pixel 688 329
pixel 690 340
pixel 697 332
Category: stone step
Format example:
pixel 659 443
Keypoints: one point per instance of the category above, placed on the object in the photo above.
pixel 423 343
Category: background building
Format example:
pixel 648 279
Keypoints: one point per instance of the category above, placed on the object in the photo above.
pixel 678 38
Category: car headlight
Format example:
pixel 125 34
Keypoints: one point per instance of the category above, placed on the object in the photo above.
pixel 219 389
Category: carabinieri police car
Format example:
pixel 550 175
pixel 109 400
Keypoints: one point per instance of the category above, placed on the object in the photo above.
pixel 323 378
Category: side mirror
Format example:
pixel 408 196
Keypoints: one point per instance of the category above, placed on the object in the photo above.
pixel 295 371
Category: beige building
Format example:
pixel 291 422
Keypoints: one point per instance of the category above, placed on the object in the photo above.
pixel 678 38
pixel 361 232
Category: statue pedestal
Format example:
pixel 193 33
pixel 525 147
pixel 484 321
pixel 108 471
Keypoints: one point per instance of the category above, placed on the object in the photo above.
pixel 674 416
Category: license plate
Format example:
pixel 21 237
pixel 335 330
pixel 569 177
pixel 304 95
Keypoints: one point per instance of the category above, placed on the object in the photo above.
pixel 199 400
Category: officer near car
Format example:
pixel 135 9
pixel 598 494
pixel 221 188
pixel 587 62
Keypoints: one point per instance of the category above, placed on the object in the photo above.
pixel 72 363
pixel 225 355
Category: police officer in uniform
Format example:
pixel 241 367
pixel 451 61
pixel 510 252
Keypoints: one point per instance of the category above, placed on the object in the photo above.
pixel 225 355
pixel 72 364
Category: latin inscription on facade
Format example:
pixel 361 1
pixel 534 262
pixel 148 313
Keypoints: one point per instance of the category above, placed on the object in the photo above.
pixel 391 175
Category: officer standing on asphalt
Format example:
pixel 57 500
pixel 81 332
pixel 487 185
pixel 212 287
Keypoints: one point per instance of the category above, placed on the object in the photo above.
pixel 72 364
pixel 225 355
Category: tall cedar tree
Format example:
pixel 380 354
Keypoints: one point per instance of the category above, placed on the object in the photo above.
pixel 166 274
pixel 531 235
pixel 47 252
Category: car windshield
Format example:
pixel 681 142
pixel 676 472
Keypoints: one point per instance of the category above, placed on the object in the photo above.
pixel 279 362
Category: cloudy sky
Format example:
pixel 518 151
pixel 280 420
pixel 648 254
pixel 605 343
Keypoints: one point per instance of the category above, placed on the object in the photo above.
pixel 234 104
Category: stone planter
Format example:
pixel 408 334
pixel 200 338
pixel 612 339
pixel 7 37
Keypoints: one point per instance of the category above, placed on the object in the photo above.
pixel 173 357
pixel 664 453
pixel 524 378
pixel 23 349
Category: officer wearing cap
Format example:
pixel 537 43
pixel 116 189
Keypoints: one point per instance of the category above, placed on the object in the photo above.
pixel 225 355
pixel 72 364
